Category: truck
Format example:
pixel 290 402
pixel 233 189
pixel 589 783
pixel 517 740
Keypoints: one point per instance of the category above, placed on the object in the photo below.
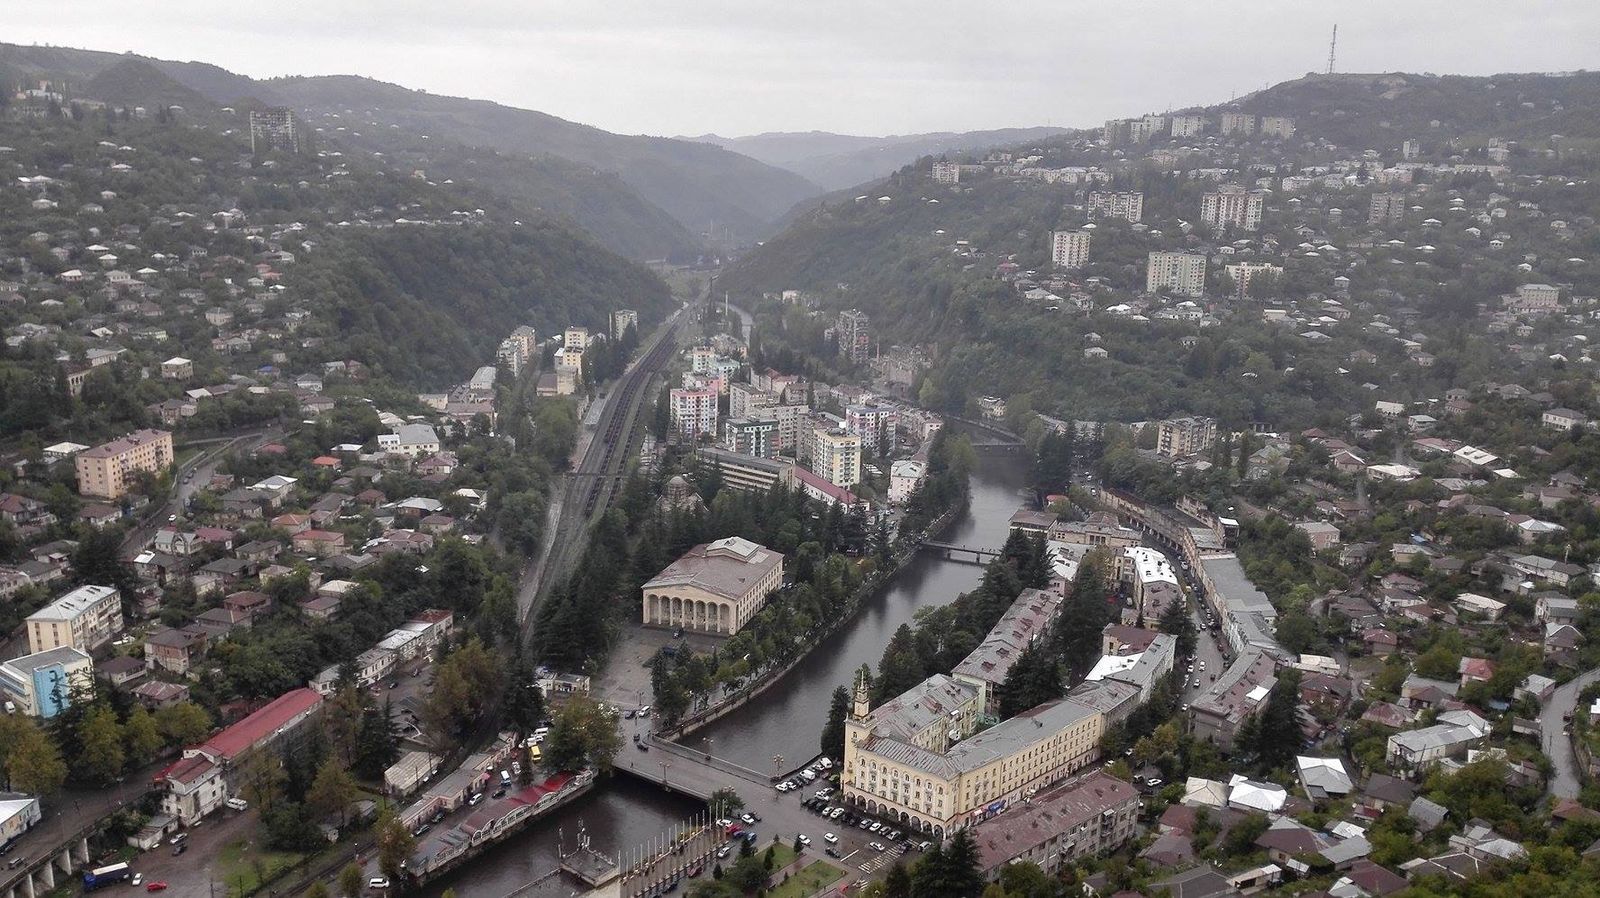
pixel 104 876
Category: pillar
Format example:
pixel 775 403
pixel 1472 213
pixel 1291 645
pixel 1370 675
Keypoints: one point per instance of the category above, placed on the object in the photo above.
pixel 64 861
pixel 82 853
pixel 48 874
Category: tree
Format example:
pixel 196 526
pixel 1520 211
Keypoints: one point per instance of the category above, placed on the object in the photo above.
pixel 261 780
pixel 833 730
pixel 901 666
pixel 332 791
pixel 100 755
pixel 377 743
pixel 949 871
pixel 317 890
pixel 1278 738
pixel 183 723
pixel 351 881
pixel 33 763
pixel 1035 678
pixel 897 882
pixel 582 735
pixel 142 737
pixel 1175 620
pixel 395 843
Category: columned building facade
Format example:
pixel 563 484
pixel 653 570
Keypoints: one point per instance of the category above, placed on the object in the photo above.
pixel 714 588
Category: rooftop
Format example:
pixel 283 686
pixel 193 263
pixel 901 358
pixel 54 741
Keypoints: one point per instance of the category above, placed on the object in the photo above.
pixel 728 567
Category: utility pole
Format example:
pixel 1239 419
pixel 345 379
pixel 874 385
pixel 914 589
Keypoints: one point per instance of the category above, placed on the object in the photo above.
pixel 1333 45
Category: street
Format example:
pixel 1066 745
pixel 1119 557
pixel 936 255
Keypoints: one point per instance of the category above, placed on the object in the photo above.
pixel 1557 742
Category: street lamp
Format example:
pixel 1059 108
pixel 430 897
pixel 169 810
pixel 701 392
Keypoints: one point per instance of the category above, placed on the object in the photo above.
pixel 708 741
pixel 777 770
pixel 664 766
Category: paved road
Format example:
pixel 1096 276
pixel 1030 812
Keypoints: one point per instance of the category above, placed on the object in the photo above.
pixel 70 812
pixel 1553 733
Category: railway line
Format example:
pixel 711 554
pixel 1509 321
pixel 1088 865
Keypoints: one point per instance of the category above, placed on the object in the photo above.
pixel 592 486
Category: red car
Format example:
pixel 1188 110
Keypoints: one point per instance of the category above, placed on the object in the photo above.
pixel 157 886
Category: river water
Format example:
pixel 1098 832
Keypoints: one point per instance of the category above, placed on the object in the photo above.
pixel 786 720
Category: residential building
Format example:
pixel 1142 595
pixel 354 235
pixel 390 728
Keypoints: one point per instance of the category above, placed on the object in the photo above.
pixel 621 320
pixel 194 788
pixel 986 667
pixel 875 424
pixel 177 368
pixel 947 173
pixel 1563 419
pixel 751 436
pixel 1127 205
pixel 747 472
pixel 1059 828
pixel 905 475
pixel 1279 126
pixel 1232 206
pixel 410 441
pixel 42 684
pixel 1386 208
pixel 1187 125
pixel 106 471
pixel 836 456
pixel 1069 249
pixel 1238 123
pixel 275 128
pixel 854 331
pixel 715 587
pixel 85 619
pixel 694 412
pixel 1181 273
pixel 575 338
pixel 1239 693
pixel 1245 272
pixel 1186 436
pixel 1451 736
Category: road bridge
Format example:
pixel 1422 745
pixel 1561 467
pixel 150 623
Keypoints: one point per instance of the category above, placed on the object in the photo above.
pixel 962 554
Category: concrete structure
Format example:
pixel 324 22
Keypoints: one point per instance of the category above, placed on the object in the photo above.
pixel 714 588
pixel 1280 126
pixel 1240 692
pixel 1186 436
pixel 1238 123
pixel 1386 208
pixel 1232 206
pixel 836 457
pixel 875 424
pixel 410 440
pixel 986 667
pixel 694 412
pixel 1452 735
pixel 1069 249
pixel 1244 272
pixel 747 472
pixel 85 619
pixel 105 471
pixel 1059 828
pixel 751 436
pixel 275 128
pixel 1181 273
pixel 41 684
pixel 854 332
pixel 621 320
pixel 1126 205
pixel 1187 125
pixel 946 173
pixel 905 475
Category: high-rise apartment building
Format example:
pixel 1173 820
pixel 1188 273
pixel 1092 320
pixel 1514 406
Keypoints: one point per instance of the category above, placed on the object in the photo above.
pixel 1143 130
pixel 621 320
pixel 1069 249
pixel 1188 125
pixel 947 172
pixel 1180 273
pixel 1233 206
pixel 751 436
pixel 274 129
pixel 836 457
pixel 694 412
pixel 1386 208
pixel 854 330
pixel 1238 123
pixel 1127 205
pixel 1280 126
pixel 1245 272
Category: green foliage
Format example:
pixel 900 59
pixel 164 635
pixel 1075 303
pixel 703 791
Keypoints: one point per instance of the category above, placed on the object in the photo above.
pixel 582 735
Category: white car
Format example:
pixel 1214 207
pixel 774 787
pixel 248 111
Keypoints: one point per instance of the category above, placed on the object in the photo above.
pixel 877 846
pixel 782 787
pixel 804 839
pixel 830 838
pixel 138 879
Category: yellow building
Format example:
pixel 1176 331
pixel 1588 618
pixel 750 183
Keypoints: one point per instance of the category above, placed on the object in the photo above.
pixel 714 588
pixel 105 471
pixel 915 760
pixel 836 456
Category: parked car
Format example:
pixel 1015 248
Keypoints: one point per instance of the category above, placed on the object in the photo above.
pixel 830 838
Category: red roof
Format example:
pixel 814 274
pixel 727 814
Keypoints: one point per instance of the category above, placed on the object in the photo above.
pixel 188 770
pixel 235 740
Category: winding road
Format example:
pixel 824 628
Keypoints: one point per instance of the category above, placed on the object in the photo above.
pixel 1557 742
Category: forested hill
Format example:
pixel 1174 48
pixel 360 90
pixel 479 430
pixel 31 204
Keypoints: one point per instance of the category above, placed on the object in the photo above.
pixel 1380 110
pixel 836 161
pixel 646 197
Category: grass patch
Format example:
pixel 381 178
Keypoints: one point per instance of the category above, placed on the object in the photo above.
pixel 245 867
pixel 812 878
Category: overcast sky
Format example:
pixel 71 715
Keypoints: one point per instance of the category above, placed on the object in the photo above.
pixel 866 66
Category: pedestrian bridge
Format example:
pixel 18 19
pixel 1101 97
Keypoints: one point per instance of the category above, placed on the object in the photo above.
pixel 963 554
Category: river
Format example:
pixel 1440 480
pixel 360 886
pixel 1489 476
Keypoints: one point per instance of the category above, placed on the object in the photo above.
pixel 785 721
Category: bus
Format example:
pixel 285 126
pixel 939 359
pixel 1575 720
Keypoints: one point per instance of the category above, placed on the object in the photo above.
pixel 104 876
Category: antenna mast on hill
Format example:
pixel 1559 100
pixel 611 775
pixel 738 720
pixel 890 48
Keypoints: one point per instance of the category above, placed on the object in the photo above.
pixel 1333 45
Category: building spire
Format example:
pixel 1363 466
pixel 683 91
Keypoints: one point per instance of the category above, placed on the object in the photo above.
pixel 862 706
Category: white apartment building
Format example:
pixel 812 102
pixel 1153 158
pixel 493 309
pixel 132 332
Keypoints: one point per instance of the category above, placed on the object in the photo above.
pixel 1243 272
pixel 621 320
pixel 575 338
pixel 1127 205
pixel 1181 273
pixel 836 457
pixel 1188 125
pixel 694 412
pixel 1233 206
pixel 1069 249
pixel 947 172
pixel 1144 129
pixel 85 619
pixel 1238 123
pixel 1280 126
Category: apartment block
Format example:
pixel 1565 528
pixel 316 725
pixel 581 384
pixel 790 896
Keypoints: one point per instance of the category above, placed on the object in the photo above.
pixel 1069 249
pixel 874 424
pixel 1187 436
pixel 1127 205
pixel 621 320
pixel 836 457
pixel 1188 125
pixel 947 173
pixel 751 436
pixel 275 129
pixel 1181 273
pixel 1233 206
pixel 694 412
pixel 1386 208
pixel 1279 126
pixel 1238 123
pixel 1244 272
pixel 854 330
pixel 85 619
pixel 106 471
